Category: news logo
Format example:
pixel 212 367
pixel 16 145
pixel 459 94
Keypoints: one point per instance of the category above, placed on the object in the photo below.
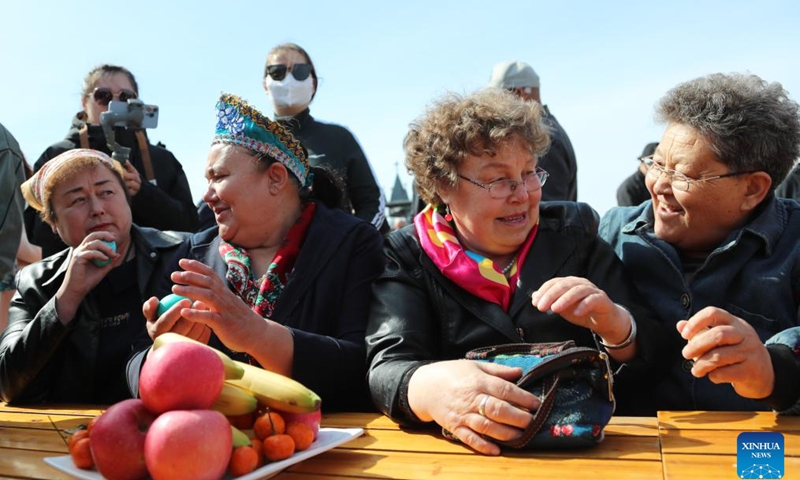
pixel 759 455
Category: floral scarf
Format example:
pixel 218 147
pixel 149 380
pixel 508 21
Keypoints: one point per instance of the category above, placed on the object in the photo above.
pixel 469 270
pixel 262 294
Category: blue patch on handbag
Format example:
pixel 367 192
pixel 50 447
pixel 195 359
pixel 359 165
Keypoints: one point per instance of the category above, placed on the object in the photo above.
pixel 574 384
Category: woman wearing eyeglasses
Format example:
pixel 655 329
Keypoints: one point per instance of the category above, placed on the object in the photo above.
pixel 291 82
pixel 156 183
pixel 485 263
pixel 714 252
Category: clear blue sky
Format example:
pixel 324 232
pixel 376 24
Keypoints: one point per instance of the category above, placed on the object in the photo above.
pixel 602 65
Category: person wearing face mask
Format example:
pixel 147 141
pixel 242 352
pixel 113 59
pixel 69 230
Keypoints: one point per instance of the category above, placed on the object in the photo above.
pixel 156 182
pixel 291 82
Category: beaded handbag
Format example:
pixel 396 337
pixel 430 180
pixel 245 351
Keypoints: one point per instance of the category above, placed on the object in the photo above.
pixel 574 385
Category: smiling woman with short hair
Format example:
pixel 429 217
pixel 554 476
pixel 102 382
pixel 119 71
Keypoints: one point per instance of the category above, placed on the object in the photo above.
pixel 714 251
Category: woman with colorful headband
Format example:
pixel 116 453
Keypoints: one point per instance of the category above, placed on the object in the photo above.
pixel 487 263
pixel 157 186
pixel 285 278
pixel 77 315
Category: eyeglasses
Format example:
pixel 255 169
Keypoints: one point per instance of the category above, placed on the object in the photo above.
pixel 678 180
pixel 300 71
pixel 504 188
pixel 103 95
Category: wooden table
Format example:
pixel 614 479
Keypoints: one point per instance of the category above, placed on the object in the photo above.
pixel 675 445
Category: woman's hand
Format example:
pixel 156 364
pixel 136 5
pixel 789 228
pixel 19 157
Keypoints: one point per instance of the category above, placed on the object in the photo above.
pixel 83 274
pixel 132 179
pixel 728 350
pixel 582 303
pixel 453 394
pixel 238 327
pixel 171 320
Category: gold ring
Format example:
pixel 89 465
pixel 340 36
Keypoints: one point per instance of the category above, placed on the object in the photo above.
pixel 482 406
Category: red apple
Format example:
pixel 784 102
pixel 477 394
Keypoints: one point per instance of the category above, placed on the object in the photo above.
pixel 311 419
pixel 118 440
pixel 188 444
pixel 181 376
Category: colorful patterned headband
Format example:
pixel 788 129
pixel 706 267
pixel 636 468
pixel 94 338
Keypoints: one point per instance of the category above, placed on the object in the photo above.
pixel 34 188
pixel 240 124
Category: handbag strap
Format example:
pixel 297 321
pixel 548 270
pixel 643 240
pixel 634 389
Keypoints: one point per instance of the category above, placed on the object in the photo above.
pixel 539 418
pixel 551 368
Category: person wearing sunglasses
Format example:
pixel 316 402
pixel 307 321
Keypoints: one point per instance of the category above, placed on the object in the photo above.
pixel 714 251
pixel 159 191
pixel 487 263
pixel 291 83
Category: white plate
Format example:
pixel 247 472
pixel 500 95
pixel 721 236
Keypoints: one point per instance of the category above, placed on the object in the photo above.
pixel 327 439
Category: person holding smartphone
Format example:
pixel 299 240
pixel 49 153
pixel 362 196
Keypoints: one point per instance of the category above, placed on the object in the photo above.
pixel 155 180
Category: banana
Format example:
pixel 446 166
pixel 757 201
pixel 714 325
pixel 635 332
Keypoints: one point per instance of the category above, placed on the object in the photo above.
pixel 277 391
pixel 240 439
pixel 232 370
pixel 233 400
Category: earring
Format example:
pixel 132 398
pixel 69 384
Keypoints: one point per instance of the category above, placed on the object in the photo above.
pixel 448 216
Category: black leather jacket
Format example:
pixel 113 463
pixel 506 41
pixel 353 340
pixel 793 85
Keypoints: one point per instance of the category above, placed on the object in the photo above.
pixel 43 360
pixel 418 316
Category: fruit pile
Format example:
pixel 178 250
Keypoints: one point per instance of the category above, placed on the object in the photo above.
pixel 195 402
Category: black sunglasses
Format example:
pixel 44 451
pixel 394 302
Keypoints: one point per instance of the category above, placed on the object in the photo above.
pixel 103 95
pixel 300 71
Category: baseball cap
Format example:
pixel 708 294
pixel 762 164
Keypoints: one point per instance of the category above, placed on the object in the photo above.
pixel 513 75
pixel 649 149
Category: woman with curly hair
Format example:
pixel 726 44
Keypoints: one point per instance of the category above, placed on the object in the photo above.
pixel 486 263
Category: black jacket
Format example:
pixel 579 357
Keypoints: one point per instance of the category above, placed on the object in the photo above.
pixel 418 316
pixel 325 304
pixel 168 205
pixel 632 191
pixel 560 163
pixel 335 147
pixel 41 359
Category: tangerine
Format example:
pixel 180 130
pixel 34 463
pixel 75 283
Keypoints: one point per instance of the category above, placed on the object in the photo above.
pixel 258 446
pixel 81 454
pixel 244 460
pixel 302 435
pixel 278 447
pixel 82 433
pixel 242 422
pixel 271 423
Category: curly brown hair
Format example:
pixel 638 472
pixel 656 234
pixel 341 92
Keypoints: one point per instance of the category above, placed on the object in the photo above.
pixel 456 125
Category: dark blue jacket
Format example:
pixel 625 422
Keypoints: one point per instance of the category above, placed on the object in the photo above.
pixel 754 274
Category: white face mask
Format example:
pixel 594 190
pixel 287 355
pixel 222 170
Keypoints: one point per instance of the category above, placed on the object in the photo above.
pixel 289 92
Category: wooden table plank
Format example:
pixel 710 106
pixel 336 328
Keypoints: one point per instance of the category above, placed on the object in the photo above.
pixel 404 465
pixel 360 420
pixel 720 442
pixel 704 467
pixel 612 447
pixel 33 439
pixel 29 465
pixel 739 421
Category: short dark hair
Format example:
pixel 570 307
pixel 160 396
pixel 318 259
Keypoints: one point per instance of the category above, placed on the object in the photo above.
pixel 90 81
pixel 750 124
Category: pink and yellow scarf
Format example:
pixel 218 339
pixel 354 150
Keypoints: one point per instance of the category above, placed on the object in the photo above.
pixel 469 270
